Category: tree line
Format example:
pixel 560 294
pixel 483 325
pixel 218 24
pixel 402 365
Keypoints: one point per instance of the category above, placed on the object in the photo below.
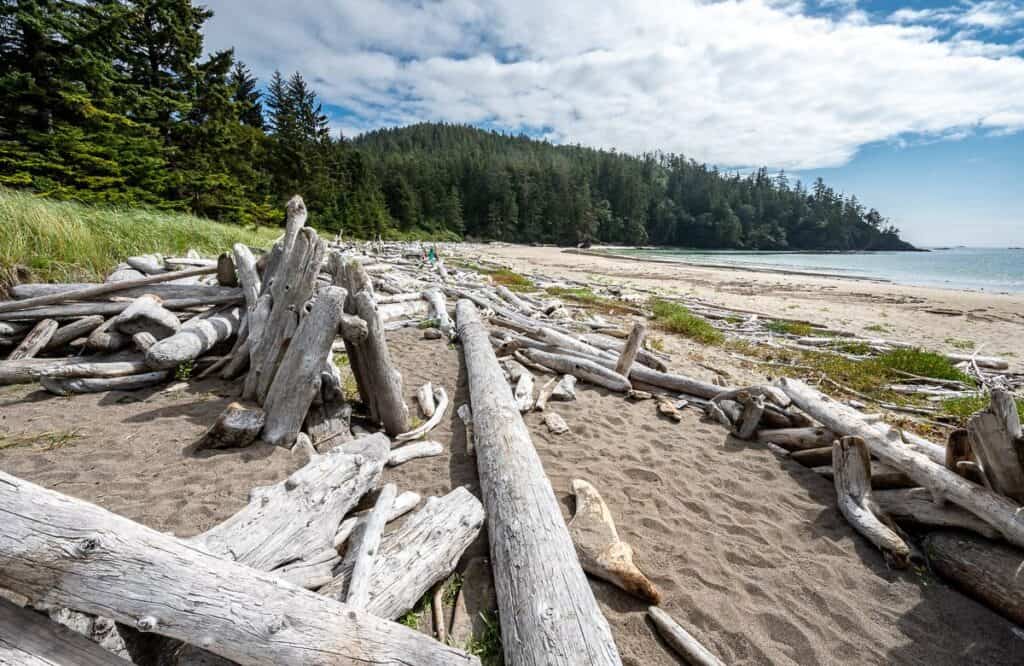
pixel 114 102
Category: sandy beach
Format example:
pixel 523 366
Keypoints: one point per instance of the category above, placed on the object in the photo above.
pixel 749 550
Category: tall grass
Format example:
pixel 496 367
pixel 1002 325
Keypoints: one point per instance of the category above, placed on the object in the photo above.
pixel 68 242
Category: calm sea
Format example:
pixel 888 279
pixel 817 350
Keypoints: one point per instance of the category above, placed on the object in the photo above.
pixel 994 270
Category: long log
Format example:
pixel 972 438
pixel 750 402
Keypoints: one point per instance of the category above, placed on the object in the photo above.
pixel 915 505
pixel 146 313
pixel 100 290
pixel 74 310
pixel 248 276
pixel 423 551
pixel 165 291
pixel 631 349
pixel 64 386
pixel 989 572
pixel 297 380
pixel 196 337
pixel 1000 512
pixel 581 368
pixel 73 330
pixel 60 551
pixel 798 439
pixel 35 341
pixel 28 638
pixel 30 370
pixel 383 376
pixel 530 543
pixel 362 552
pixel 402 505
pixel 421 449
pixel 685 645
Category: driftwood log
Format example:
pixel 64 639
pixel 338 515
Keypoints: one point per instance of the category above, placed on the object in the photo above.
pixel 362 551
pixel 30 370
pixel 237 426
pixel 1000 512
pixel 915 505
pixel 424 449
pixel 73 330
pixel 35 341
pixel 797 439
pixel 402 505
pixel 688 647
pixel 581 368
pixel 196 337
pixel 852 467
pixel 75 310
pixel 72 386
pixel 632 348
pixel 28 638
pixel 530 543
pixel 59 551
pixel 996 442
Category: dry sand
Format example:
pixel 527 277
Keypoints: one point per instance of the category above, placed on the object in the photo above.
pixel 750 551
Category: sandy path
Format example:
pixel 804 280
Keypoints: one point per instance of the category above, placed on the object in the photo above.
pixel 750 552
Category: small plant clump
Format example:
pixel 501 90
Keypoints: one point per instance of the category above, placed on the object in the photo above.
pixel 587 297
pixel 44 441
pixel 962 408
pixel 677 318
pixel 487 645
pixel 923 363
pixel 799 328
pixel 184 371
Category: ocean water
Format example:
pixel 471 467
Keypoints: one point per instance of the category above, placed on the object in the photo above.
pixel 993 270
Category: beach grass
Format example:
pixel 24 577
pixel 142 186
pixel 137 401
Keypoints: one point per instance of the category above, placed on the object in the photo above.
pixel 514 281
pixel 924 364
pixel 44 441
pixel 676 318
pixel 962 408
pixel 800 328
pixel 59 241
pixel 487 645
pixel 585 296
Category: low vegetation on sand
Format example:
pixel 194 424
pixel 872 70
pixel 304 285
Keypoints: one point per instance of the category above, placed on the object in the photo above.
pixel 585 296
pixel 676 318
pixel 69 242
pixel 962 408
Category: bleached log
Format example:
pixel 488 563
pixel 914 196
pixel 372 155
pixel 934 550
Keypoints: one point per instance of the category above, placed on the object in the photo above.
pixel 685 645
pixel 298 378
pixel 63 386
pixel 298 517
pixel 30 370
pixel 989 572
pixel 982 361
pixel 73 330
pixel 248 276
pixel 753 409
pixel 524 392
pixel 425 398
pixel 237 426
pixel 916 505
pixel 59 551
pixel 35 341
pixel 519 304
pixel 166 291
pixel 150 264
pixel 290 288
pixel 883 476
pixel 412 558
pixel 545 393
pixel 402 505
pixel 631 349
pixel 196 337
pixel 441 398
pixel 567 343
pixel 398 298
pixel 74 310
pixel 146 313
pixel 438 311
pixel 1000 512
pixel 28 638
pixel 852 467
pixel 105 338
pixel 124 272
pixel 530 543
pixel 423 449
pixel 99 290
pixel 996 442
pixel 390 312
pixel 610 344
pixel 797 439
pixel 363 550
pixel 818 457
pixel 581 368
pixel 466 416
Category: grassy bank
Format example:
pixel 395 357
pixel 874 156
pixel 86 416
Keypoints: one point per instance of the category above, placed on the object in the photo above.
pixel 68 242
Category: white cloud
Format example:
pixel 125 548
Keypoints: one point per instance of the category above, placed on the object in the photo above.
pixel 738 82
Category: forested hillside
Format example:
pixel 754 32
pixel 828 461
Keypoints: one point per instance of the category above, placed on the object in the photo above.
pixel 112 101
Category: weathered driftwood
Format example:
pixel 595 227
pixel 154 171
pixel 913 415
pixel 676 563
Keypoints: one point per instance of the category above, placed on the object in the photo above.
pixel 73 330
pixel 509 297
pixel 545 393
pixel 28 638
pixel 1000 512
pixel 425 398
pixel 196 337
pixel 797 439
pixel 750 417
pixel 631 349
pixel 402 505
pixel 59 551
pixel 35 341
pixel 391 312
pixel 30 370
pixel 530 543
pixel 248 275
pixel 438 311
pixel 583 369
pixel 362 551
pixel 917 506
pixel 124 272
pixel 437 613
pixel 556 425
pixel 523 392
pixel 688 647
pixel 670 382
pixel 812 457
pixel 990 572
pixel 298 517
pixel 960 459
pixel 466 416
pixel 602 553
pixel 105 338
pixel 475 602
pixel 150 264
pixel 74 310
pixel 423 449
pixel 990 362
pixel 226 274
pixel 883 476
pixel 143 340
pixel 610 344
pixel 298 379
pixel 71 386
pixel 412 558
pixel 146 314
pixel 98 290
pixel 995 437
pixel 852 466
pixel 237 426
pixel 166 291
pixel 567 343
pixel 441 400
pixel 291 286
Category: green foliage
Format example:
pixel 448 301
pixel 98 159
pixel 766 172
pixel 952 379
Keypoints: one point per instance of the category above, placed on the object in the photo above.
pixel 487 645
pixel 678 319
pixel 184 371
pixel 803 329
pixel 412 618
pixel 923 363
pixel 69 242
pixel 879 328
pixel 963 408
pixel 587 297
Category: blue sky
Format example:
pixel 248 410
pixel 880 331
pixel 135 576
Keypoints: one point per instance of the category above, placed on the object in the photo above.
pixel 915 107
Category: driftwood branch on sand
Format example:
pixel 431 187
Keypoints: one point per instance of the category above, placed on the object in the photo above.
pixel 530 543
pixel 685 645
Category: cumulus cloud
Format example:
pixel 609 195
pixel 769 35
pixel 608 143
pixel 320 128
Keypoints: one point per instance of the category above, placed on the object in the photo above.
pixel 738 82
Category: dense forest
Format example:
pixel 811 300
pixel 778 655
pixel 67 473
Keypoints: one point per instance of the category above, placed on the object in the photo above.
pixel 113 101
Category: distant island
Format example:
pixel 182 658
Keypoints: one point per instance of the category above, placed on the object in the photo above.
pixel 169 126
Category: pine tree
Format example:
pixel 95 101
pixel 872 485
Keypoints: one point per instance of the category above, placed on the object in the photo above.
pixel 246 96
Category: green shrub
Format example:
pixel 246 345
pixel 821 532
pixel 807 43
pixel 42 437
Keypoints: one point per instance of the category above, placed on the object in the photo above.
pixel 678 319
pixel 962 408
pixel 923 363
pixel 800 328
